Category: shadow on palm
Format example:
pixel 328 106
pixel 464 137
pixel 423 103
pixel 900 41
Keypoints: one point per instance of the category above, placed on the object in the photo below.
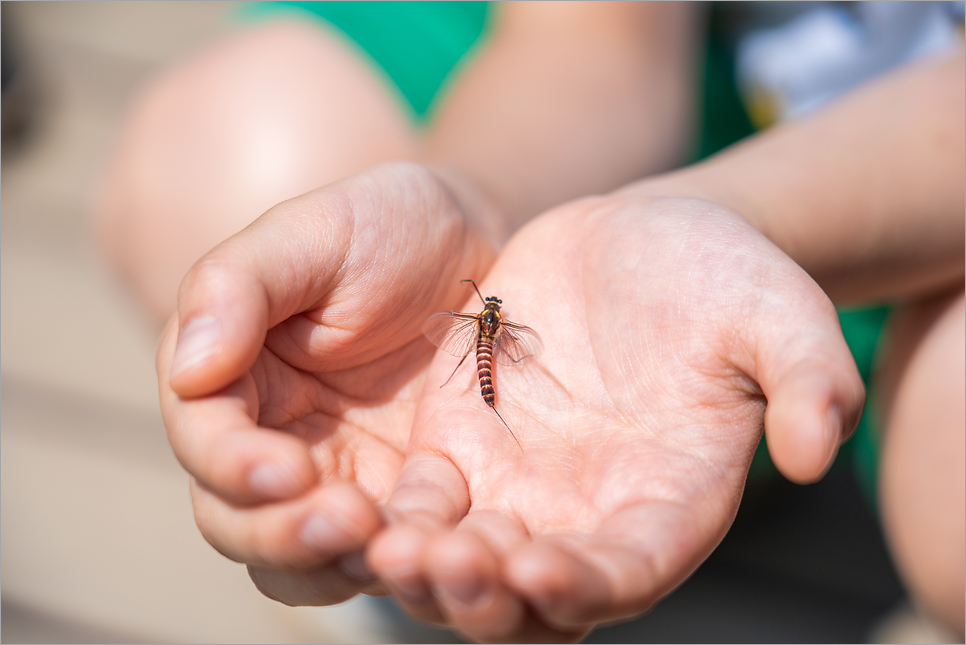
pixel 356 421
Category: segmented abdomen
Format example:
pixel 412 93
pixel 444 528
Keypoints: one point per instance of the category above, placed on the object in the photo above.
pixel 484 365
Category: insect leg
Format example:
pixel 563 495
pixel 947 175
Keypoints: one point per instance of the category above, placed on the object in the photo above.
pixel 456 368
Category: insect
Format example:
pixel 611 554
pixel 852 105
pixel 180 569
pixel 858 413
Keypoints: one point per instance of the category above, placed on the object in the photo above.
pixel 493 337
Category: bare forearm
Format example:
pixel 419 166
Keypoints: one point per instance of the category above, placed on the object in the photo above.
pixel 868 195
pixel 567 100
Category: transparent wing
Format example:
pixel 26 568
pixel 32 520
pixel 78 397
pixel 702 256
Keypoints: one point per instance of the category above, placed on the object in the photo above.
pixel 452 332
pixel 517 344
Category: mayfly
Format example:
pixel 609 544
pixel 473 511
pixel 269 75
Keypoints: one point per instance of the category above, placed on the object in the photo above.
pixel 493 337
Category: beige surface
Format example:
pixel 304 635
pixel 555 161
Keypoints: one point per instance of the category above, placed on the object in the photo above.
pixel 97 540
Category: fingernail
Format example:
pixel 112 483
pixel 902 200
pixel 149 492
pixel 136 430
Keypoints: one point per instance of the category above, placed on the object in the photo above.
pixel 354 566
pixel 322 533
pixel 197 342
pixel 463 591
pixel 270 480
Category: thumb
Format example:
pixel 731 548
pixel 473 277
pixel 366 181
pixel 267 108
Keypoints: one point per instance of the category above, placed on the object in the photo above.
pixel 280 265
pixel 815 394
pixel 371 251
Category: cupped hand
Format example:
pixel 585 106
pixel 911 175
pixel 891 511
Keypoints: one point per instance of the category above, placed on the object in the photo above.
pixel 289 378
pixel 673 333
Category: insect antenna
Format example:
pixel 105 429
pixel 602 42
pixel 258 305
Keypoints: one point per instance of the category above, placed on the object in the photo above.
pixel 475 287
pixel 508 428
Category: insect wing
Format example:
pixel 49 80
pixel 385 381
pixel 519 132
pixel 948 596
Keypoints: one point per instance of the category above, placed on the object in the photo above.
pixel 453 332
pixel 517 344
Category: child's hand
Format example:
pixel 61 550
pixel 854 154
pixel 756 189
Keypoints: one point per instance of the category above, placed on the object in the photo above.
pixel 290 394
pixel 667 324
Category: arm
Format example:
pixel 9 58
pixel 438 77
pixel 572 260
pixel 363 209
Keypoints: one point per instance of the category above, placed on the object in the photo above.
pixel 564 99
pixel 867 196
pixel 568 99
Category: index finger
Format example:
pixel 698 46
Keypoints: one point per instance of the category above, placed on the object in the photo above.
pixel 217 440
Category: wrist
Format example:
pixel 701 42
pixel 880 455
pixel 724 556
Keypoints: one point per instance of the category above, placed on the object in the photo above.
pixel 713 181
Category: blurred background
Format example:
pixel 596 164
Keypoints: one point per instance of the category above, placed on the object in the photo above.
pixel 97 540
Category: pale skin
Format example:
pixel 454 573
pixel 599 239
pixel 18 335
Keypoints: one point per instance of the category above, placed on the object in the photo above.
pixel 637 426
pixel 368 438
pixel 638 423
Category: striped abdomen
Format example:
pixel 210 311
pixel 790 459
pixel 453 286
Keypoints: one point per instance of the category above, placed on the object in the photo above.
pixel 484 365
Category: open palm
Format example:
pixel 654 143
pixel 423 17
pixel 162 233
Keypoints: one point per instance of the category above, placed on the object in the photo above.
pixel 292 392
pixel 668 325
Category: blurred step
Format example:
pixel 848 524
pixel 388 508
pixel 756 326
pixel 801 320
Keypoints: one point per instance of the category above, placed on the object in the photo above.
pixel 97 530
